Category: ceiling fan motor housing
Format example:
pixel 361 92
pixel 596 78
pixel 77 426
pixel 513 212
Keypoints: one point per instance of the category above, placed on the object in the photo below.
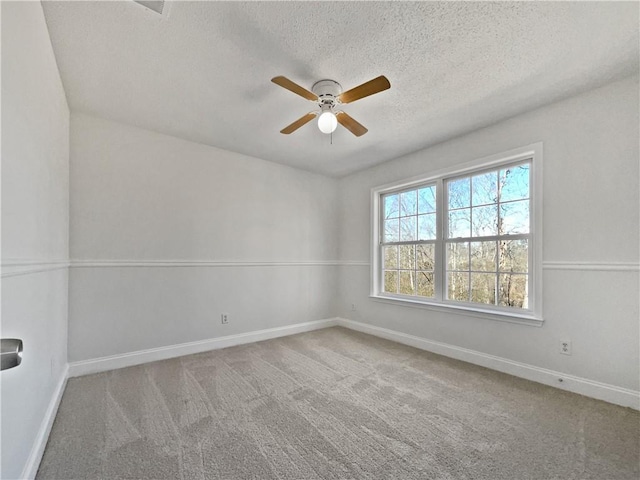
pixel 327 92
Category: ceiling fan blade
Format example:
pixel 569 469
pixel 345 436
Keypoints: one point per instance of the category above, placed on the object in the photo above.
pixel 368 88
pixel 284 82
pixel 350 124
pixel 298 123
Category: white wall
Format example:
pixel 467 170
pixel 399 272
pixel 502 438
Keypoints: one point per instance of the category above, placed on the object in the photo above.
pixel 35 232
pixel 591 214
pixel 141 197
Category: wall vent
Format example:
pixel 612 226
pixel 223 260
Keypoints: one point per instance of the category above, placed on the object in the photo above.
pixel 155 5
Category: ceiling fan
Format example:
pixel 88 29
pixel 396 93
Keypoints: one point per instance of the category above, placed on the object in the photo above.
pixel 328 95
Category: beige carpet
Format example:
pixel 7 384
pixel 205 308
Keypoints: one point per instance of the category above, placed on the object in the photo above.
pixel 332 404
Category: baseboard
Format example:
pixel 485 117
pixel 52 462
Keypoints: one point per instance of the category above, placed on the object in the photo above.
pixel 37 450
pixel 114 362
pixel 571 383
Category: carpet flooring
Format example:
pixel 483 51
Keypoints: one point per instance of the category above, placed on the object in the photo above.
pixel 332 404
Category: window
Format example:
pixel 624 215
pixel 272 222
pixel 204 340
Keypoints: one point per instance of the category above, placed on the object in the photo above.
pixel 467 239
pixel 408 244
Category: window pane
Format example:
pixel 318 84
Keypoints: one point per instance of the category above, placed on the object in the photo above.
pixel 391 230
pixel 407 257
pixel 514 256
pixel 458 256
pixel 485 188
pixel 407 283
pixel 425 284
pixel 427 200
pixel 483 256
pixel 459 193
pixel 460 223
pixel 483 288
pixel 514 217
pixel 427 227
pixel 408 229
pixel 512 290
pixel 425 256
pixel 391 282
pixel 391 257
pixel 391 208
pixel 408 203
pixel 458 286
pixel 485 221
pixel 514 183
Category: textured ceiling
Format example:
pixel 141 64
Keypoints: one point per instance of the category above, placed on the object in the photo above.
pixel 202 71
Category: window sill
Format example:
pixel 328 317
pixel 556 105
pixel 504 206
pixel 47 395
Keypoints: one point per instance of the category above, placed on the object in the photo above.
pixel 466 311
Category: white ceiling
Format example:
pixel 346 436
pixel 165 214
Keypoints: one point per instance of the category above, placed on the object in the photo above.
pixel 202 71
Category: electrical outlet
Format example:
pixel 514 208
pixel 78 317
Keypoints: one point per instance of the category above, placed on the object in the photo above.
pixel 353 307
pixel 565 347
pixel 224 318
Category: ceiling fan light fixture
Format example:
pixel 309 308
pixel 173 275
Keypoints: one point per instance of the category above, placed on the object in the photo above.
pixel 328 94
pixel 327 122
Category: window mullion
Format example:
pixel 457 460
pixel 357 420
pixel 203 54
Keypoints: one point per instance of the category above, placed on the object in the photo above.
pixel 439 253
pixel 489 238
pixel 381 222
pixel 412 242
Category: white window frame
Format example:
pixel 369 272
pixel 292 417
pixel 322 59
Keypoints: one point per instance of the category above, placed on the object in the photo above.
pixel 529 316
